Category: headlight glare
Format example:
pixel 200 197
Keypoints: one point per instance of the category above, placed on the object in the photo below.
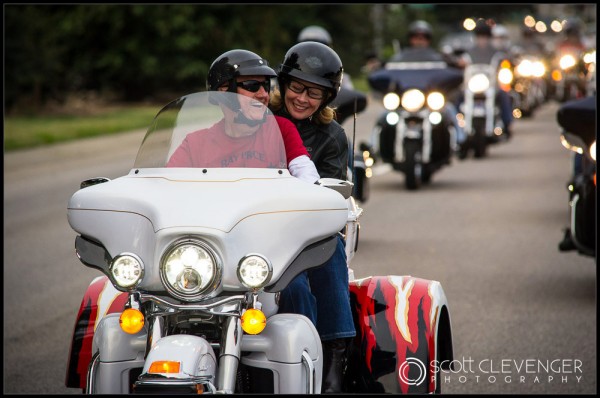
pixel 505 76
pixel 479 83
pixel 254 271
pixel 413 100
pixel 391 101
pixel 127 270
pixel 435 100
pixel 567 61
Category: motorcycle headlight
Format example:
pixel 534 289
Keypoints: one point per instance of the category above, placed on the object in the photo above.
pixel 190 269
pixel 505 76
pixel 413 100
pixel 538 69
pixel 127 270
pixel 391 101
pixel 392 118
pixel 254 271
pixel 567 61
pixel 525 68
pixel 435 100
pixel 593 151
pixel 590 57
pixel 479 83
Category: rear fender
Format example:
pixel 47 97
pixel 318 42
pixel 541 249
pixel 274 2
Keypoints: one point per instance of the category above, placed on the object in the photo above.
pixel 100 299
pixel 403 334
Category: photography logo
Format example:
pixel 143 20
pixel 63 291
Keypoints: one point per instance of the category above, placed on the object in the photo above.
pixel 412 372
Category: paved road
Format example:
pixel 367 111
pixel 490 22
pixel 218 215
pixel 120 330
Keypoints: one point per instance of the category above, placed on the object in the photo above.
pixel 487 230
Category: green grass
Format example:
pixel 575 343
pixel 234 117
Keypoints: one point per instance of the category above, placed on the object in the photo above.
pixel 31 131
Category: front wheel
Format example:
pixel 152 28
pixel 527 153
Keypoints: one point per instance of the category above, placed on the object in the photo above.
pixel 413 165
pixel 479 139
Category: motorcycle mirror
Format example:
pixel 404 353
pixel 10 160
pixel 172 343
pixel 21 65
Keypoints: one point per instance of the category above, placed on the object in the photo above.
pixel 93 181
pixel 341 186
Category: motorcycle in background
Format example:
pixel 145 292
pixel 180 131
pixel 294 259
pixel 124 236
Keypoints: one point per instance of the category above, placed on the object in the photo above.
pixel 569 75
pixel 193 256
pixel 528 85
pixel 480 109
pixel 415 134
pixel 577 119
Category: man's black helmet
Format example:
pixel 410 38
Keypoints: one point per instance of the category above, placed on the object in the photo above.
pixel 420 28
pixel 482 28
pixel 315 63
pixel 235 63
pixel 315 33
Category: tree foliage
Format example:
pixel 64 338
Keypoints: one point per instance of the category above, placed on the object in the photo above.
pixel 134 51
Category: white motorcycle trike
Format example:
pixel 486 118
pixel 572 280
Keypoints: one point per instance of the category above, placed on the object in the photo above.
pixel 193 258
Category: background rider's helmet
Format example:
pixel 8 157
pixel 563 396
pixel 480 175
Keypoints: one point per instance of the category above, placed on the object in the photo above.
pixel 482 28
pixel 572 27
pixel 420 28
pixel 235 63
pixel 500 31
pixel 315 33
pixel 315 63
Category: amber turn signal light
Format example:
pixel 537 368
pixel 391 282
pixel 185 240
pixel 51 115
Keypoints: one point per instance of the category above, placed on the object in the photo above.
pixel 131 321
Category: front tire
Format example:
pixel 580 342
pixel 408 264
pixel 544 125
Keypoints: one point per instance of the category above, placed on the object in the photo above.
pixel 413 165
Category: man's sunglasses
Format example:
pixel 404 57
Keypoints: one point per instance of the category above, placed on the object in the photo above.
pixel 254 85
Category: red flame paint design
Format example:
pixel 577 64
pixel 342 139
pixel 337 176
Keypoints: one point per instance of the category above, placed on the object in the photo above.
pixel 407 306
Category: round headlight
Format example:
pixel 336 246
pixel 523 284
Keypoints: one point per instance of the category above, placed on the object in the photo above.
pixel 435 100
pixel 413 100
pixel 525 68
pixel 254 271
pixel 567 61
pixel 479 83
pixel 505 76
pixel 391 101
pixel 189 269
pixel 127 270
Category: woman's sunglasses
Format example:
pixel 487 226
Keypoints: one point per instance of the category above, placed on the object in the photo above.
pixel 254 85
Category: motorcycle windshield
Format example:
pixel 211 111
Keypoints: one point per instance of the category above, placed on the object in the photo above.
pixel 424 76
pixel 213 130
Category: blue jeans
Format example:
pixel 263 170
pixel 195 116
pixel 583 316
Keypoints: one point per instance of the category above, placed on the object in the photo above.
pixel 322 295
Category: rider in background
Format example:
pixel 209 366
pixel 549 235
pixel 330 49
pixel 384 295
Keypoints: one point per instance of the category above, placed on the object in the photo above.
pixel 419 49
pixel 309 80
pixel 483 51
pixel 321 35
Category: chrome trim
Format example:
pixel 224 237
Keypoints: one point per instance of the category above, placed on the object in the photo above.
pixel 89 382
pixel 229 358
pixel 209 307
pixel 310 373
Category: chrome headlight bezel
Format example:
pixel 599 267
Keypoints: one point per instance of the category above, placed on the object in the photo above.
pixel 249 265
pixel 126 270
pixel 212 267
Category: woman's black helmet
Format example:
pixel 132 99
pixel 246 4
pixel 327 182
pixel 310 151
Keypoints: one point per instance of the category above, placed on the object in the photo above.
pixel 315 63
pixel 420 28
pixel 235 63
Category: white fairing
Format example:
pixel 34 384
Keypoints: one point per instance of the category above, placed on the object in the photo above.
pixel 247 211
pixel 196 356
